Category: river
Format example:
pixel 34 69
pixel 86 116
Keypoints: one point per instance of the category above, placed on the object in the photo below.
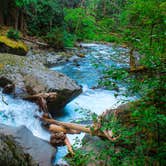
pixel 87 72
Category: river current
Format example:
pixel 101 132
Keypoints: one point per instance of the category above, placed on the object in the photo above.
pixel 87 72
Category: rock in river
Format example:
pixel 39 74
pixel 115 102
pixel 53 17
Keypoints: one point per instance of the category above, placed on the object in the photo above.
pixel 31 78
pixel 18 146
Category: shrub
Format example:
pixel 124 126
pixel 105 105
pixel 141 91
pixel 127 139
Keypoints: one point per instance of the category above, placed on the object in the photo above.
pixel 55 38
pixel 106 24
pixel 69 39
pixel 80 23
pixel 13 34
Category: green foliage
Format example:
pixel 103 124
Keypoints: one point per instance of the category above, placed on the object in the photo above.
pixel 81 158
pixel 13 34
pixel 106 24
pixel 55 38
pixel 44 16
pixel 23 3
pixel 69 39
pixel 145 28
pixel 80 23
pixel 141 136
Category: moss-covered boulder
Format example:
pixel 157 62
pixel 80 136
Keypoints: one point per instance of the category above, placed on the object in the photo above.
pixel 11 46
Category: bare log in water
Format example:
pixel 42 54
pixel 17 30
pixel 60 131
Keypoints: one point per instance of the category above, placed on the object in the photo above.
pixel 69 147
pixel 50 96
pixel 58 128
pixel 73 128
pixel 42 98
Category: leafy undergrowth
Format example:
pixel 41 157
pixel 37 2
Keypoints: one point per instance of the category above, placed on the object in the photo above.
pixel 139 129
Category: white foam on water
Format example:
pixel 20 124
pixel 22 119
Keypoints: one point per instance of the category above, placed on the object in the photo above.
pixel 17 112
pixel 96 101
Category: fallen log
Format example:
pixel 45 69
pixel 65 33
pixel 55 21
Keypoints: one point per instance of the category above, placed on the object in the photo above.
pixel 41 99
pixel 67 125
pixel 73 128
pixel 61 139
pixel 69 147
pixel 57 128
pixel 64 128
pixel 48 96
pixel 35 42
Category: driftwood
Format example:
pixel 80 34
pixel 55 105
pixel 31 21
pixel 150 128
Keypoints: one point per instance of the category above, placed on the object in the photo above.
pixel 41 99
pixel 66 125
pixel 73 128
pixel 69 147
pixel 60 139
pixel 57 128
pixel 35 42
pixel 60 129
pixel 50 96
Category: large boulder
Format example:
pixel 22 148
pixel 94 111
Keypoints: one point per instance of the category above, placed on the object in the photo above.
pixel 11 46
pixel 29 78
pixel 18 146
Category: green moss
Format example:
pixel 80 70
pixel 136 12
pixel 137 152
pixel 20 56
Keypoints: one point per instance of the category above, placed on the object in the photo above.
pixel 7 60
pixel 10 59
pixel 13 44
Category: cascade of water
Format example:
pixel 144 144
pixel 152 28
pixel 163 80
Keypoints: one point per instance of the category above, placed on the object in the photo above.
pixel 17 112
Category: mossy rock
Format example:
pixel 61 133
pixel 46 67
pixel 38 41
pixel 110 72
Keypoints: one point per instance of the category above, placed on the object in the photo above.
pixel 11 46
pixel 12 154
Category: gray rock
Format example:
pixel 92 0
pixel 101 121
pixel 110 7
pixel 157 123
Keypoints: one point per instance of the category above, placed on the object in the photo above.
pixel 47 58
pixel 38 150
pixel 54 59
pixel 29 78
pixel 12 154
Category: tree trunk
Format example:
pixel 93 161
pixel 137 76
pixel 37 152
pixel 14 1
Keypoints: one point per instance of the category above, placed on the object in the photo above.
pixel 151 35
pixel 22 20
pixel 58 128
pixel 104 7
pixel 16 19
pixel 42 98
pixel 1 17
pixel 132 60
pixel 73 126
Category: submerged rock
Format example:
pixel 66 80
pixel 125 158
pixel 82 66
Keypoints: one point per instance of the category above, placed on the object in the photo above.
pixel 11 46
pixel 18 146
pixel 29 78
